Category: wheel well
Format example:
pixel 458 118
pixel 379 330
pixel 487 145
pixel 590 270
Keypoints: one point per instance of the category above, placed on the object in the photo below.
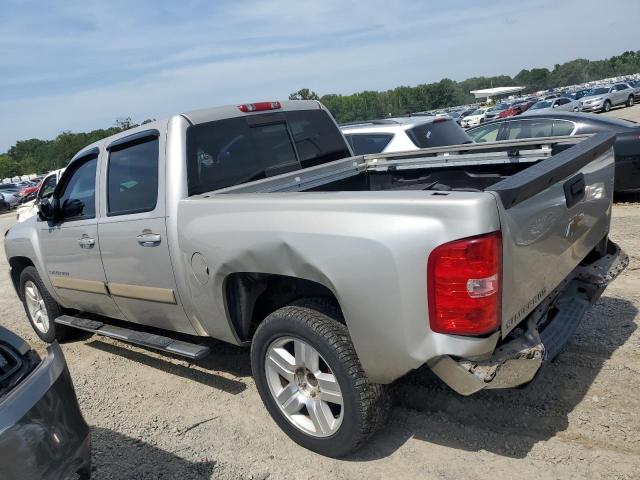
pixel 251 297
pixel 18 264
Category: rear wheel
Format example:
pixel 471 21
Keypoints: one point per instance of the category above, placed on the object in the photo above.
pixel 630 101
pixel 41 308
pixel 311 381
pixel 607 106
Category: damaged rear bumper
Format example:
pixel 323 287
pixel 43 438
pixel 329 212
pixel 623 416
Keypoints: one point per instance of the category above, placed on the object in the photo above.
pixel 540 337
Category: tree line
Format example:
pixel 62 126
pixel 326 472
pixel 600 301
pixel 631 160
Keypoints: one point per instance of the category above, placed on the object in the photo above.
pixel 446 93
pixel 38 156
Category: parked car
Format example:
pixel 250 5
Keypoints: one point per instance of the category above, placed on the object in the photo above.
pixel 42 432
pixel 45 189
pixel 247 224
pixel 603 98
pixel 476 118
pixel 25 192
pixel 516 108
pixel 464 113
pixel 559 104
pixel 578 94
pixel 627 145
pixel 402 134
pixel 635 85
pixel 11 193
pixel 495 111
pixel 3 204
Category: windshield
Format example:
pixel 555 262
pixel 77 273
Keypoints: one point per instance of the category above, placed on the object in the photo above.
pixel 599 91
pixel 478 112
pixel 500 106
pixel 539 105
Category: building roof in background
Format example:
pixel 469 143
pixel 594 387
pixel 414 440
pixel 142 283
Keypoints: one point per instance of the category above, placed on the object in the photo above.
pixel 490 92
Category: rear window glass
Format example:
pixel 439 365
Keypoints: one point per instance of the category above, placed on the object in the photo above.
pixel 365 143
pixel 437 134
pixel 238 150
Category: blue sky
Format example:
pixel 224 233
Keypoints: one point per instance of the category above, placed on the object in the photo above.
pixel 80 65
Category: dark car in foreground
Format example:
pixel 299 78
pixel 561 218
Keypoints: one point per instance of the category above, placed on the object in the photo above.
pixel 42 432
pixel 627 144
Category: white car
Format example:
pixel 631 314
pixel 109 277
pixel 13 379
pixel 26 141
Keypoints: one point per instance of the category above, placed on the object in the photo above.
pixel 48 185
pixel 475 119
pixel 403 134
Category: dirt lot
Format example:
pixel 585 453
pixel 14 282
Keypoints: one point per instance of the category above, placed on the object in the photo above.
pixel 154 416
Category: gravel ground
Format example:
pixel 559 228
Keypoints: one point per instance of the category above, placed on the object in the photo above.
pixel 154 416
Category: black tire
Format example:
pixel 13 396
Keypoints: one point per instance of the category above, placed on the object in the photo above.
pixel 607 106
pixel 630 101
pixel 366 405
pixel 55 331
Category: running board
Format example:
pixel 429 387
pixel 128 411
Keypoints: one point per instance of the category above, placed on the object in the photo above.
pixel 158 342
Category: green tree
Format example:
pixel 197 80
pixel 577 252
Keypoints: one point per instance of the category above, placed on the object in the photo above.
pixel 9 167
pixel 304 94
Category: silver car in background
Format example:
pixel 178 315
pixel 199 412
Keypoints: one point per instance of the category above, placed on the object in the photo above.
pixel 554 104
pixel 10 193
pixel 602 98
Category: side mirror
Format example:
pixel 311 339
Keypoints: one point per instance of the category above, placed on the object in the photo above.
pixel 46 209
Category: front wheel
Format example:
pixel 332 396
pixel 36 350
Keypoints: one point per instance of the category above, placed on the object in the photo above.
pixel 607 106
pixel 630 101
pixel 311 381
pixel 41 308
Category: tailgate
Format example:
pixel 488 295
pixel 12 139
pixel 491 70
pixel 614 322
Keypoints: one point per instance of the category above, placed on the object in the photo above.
pixel 552 215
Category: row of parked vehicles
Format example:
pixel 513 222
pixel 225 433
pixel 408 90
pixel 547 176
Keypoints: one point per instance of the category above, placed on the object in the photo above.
pixel 13 194
pixel 601 98
pixel 256 225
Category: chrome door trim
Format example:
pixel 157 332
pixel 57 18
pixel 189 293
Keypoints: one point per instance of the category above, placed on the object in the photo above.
pixel 92 286
pixel 139 292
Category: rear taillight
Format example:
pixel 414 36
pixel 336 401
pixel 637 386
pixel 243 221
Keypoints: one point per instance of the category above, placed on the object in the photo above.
pixel 259 106
pixel 464 285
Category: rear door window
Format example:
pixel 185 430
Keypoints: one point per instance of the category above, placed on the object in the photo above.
pixel 530 129
pixel 437 134
pixel 242 149
pixel 132 177
pixel 366 143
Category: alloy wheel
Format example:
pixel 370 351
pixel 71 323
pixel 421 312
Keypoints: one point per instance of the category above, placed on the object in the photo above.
pixel 304 387
pixel 36 307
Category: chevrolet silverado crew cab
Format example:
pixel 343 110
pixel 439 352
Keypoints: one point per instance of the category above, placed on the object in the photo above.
pixel 254 225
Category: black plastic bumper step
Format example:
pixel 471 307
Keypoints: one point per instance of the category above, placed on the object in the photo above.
pixel 563 326
pixel 158 342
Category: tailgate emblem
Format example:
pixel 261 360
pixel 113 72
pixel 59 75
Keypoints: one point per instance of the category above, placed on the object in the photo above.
pixel 574 226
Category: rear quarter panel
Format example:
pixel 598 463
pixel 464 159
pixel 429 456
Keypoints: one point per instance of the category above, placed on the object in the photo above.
pixel 369 248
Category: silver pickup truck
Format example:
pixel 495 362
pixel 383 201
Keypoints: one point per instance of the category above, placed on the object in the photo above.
pixel 254 225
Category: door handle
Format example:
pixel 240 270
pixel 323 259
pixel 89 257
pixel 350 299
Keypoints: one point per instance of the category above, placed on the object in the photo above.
pixel 86 242
pixel 148 239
